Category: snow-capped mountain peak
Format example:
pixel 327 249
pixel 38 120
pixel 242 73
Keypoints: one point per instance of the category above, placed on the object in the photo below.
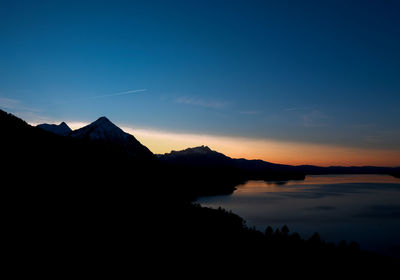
pixel 101 129
pixel 105 131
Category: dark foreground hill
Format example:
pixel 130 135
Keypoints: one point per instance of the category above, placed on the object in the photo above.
pixel 76 203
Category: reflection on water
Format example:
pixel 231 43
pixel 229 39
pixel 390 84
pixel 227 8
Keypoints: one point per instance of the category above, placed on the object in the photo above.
pixel 361 208
pixel 328 179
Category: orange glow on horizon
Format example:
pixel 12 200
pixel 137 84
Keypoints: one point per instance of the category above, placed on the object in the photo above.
pixel 283 152
pixel 267 149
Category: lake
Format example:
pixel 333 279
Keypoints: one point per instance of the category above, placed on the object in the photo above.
pixel 361 208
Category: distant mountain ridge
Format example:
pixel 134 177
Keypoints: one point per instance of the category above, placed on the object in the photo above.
pixel 197 156
pixel 204 156
pixel 103 130
pixel 62 129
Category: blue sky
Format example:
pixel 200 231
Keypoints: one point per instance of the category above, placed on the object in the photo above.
pixel 315 72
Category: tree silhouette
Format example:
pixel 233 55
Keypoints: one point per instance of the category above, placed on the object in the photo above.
pixel 285 230
pixel 269 232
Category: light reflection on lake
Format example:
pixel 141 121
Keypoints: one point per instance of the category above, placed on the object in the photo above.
pixel 361 208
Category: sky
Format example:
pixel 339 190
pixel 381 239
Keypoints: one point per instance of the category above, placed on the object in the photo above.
pixel 296 82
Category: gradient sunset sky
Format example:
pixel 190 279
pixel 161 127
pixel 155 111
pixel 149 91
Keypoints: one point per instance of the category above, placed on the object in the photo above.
pixel 296 82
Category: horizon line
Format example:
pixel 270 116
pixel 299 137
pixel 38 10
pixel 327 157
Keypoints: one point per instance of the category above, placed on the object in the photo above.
pixel 270 150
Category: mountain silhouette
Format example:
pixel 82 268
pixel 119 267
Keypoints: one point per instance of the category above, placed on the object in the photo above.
pixel 36 150
pixel 103 130
pixel 84 198
pixel 217 173
pixel 197 156
pixel 203 156
pixel 61 129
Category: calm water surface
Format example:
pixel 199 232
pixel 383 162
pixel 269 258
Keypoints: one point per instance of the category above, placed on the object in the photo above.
pixel 361 208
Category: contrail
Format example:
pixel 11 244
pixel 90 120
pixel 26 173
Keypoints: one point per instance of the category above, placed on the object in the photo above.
pixel 103 96
pixel 118 93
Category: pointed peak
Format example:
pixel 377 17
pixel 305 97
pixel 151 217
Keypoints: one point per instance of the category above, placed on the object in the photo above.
pixel 102 128
pixel 102 120
pixel 64 125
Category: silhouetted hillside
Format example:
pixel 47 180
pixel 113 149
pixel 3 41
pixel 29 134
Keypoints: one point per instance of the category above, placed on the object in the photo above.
pixel 91 202
pixel 201 156
pixel 203 160
pixel 262 170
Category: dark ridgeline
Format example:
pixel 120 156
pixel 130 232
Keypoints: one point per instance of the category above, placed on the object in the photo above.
pixel 262 170
pixel 211 173
pixel 62 129
pixel 90 198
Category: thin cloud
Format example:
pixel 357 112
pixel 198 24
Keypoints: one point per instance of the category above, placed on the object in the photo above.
pixel 250 112
pixel 8 103
pixel 19 109
pixel 15 104
pixel 201 102
pixel 308 116
pixel 135 91
pixel 297 109
pixel 314 119
pixel 118 93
